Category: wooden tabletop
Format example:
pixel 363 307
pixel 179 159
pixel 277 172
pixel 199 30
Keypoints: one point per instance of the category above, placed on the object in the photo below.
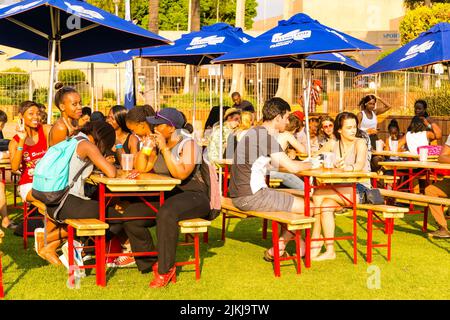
pixel 336 175
pixel 410 155
pixel 144 182
pixel 415 164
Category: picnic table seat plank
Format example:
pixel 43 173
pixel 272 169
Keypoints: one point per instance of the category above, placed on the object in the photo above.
pixel 415 198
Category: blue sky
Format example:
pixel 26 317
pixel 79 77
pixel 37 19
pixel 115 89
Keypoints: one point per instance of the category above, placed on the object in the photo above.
pixel 273 8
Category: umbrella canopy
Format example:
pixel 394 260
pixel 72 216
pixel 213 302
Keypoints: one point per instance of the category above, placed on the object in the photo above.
pixel 430 47
pixel 68 29
pixel 293 40
pixel 329 61
pixel 78 28
pixel 110 57
pixel 200 47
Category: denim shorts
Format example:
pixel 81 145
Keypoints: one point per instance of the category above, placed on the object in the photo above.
pixel 360 189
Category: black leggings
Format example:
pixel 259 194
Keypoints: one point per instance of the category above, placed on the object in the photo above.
pixel 181 206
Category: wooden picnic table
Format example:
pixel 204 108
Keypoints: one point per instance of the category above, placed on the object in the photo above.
pixel 146 184
pixel 425 167
pixel 328 178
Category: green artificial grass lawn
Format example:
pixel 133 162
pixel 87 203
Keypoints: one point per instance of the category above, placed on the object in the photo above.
pixel 234 269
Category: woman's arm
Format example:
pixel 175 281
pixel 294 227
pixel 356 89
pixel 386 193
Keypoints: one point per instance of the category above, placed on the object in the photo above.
pixel 15 154
pixel 89 150
pixel 183 168
pixel 434 127
pixel 386 106
pixel 133 143
pixel 144 162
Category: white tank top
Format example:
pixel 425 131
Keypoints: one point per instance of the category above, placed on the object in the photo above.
pixel 367 123
pixel 415 140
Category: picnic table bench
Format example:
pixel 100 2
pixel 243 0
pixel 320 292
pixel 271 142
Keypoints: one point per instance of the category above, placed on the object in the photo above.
pixel 294 222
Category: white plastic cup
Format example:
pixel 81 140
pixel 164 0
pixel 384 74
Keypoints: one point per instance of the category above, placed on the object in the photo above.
pixel 328 160
pixel 127 161
pixel 394 146
pixel 379 145
pixel 423 155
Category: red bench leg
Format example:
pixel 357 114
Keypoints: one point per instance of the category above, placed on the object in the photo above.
pixel 100 260
pixel 70 238
pixel 276 248
pixel 390 225
pixel 425 219
pixel 197 256
pixel 369 235
pixel 297 251
pixel 2 292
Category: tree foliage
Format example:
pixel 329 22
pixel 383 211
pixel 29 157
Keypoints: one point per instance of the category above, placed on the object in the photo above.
pixel 421 19
pixel 412 4
pixel 173 14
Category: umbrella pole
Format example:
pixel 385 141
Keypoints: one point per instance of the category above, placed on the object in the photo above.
pixel 52 80
pixel 221 125
pixel 195 93
pixel 306 92
pixel 117 84
pixel 92 86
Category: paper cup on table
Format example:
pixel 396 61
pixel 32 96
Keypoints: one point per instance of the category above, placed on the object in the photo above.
pixel 379 145
pixel 127 161
pixel 423 155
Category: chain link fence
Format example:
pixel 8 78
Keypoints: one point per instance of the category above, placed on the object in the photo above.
pixel 172 85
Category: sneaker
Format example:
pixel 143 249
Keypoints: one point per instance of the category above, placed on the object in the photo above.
pixel 440 233
pixel 122 262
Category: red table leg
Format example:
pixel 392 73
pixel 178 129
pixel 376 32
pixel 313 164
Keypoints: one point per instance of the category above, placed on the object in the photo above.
pixel 276 248
pixel 355 239
pixel 308 231
pixel 369 235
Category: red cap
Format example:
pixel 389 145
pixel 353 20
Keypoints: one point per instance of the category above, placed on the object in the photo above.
pixel 300 115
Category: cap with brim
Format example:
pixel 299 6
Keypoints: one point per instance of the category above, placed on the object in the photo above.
pixel 231 111
pixel 169 116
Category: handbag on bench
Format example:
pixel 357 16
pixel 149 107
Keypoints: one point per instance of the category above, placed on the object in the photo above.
pixel 373 196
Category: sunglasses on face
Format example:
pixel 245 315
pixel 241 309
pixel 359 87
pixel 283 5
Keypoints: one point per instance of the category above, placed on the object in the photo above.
pixel 159 116
pixel 327 126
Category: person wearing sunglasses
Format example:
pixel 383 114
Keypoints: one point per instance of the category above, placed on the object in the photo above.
pixel 326 128
pixel 174 154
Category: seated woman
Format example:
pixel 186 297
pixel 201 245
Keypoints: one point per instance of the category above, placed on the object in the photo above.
pixel 136 121
pixel 68 101
pixel 177 156
pixel 391 143
pixel 231 120
pixel 420 110
pixel 213 118
pixel 247 121
pixel 288 143
pixel 419 134
pixel 126 142
pixel 27 147
pixel 351 154
pixel 326 127
pixel 98 138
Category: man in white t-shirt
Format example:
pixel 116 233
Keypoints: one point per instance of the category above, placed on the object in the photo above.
pixel 440 189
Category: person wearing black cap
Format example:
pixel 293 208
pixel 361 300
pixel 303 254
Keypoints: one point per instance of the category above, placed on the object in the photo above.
pixel 173 152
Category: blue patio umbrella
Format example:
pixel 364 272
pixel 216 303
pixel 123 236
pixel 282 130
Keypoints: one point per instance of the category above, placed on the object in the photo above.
pixel 430 47
pixel 68 29
pixel 200 47
pixel 293 41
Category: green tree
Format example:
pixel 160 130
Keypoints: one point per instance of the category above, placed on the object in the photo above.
pixel 411 4
pixel 173 14
pixel 421 19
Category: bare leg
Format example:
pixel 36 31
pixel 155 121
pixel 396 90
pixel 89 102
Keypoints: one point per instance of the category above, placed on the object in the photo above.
pixel 3 212
pixel 437 211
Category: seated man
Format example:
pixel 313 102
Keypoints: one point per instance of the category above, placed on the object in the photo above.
pixel 257 152
pixel 440 189
pixel 240 104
